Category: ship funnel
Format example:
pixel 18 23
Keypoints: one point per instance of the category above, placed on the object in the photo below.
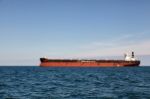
pixel 132 54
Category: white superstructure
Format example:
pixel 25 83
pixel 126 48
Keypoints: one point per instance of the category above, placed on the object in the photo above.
pixel 129 57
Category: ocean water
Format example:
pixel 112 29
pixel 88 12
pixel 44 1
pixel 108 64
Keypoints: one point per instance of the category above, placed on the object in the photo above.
pixel 74 83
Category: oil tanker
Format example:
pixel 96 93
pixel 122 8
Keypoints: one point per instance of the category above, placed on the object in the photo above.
pixel 129 61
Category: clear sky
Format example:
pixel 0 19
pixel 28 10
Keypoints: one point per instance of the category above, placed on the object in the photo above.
pixel 30 29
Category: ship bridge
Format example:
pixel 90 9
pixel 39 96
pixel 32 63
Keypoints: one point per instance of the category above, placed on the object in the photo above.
pixel 130 57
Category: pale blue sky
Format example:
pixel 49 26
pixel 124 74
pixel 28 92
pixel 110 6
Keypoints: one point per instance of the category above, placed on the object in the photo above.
pixel 30 29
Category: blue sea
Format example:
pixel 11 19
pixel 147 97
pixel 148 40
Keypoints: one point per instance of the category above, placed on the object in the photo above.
pixel 33 82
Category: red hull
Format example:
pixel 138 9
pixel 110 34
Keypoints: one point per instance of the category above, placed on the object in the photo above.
pixel 91 63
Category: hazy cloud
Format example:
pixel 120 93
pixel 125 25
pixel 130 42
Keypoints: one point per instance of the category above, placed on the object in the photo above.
pixel 116 46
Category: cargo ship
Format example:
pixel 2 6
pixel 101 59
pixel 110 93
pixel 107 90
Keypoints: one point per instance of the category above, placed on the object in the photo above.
pixel 129 61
